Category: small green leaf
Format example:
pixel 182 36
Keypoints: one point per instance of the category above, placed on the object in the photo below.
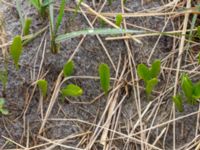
pixel 104 73
pixel 43 85
pixel 26 29
pixel 118 20
pixel 72 90
pixel 150 85
pixel 187 87
pixel 16 50
pixel 60 15
pixel 199 58
pixel 178 102
pixel 143 72
pixel 155 69
pixel 196 92
pixel 68 68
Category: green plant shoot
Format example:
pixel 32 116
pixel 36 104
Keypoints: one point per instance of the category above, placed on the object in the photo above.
pixel 41 6
pixel 16 50
pixel 143 72
pixel 150 86
pixel 196 91
pixel 155 69
pixel 68 68
pixel 149 75
pixel 178 102
pixel 187 86
pixel 43 86
pixel 77 7
pixel 71 90
pixel 191 90
pixel 54 27
pixel 60 15
pixel 118 20
pixel 2 109
pixel 104 73
pixel 26 28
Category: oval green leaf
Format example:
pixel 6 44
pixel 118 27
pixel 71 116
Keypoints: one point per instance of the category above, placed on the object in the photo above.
pixel 118 20
pixel 68 68
pixel 72 90
pixel 16 50
pixel 150 85
pixel 143 72
pixel 155 69
pixel 104 73
pixel 43 85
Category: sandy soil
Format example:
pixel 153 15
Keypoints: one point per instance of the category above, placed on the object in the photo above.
pixel 73 122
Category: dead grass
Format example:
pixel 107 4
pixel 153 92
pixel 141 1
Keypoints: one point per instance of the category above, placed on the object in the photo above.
pixel 146 129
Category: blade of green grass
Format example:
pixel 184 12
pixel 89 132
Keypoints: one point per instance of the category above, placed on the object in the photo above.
pixel 102 31
pixel 77 7
pixel 60 15
pixel 51 17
